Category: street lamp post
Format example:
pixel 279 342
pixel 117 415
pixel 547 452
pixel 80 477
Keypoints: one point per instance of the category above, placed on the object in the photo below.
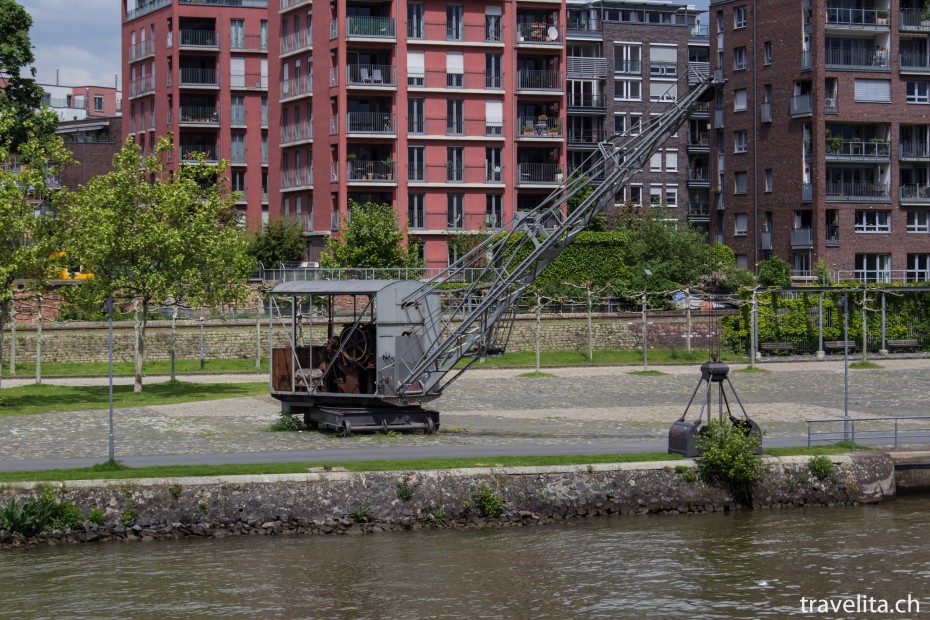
pixel 843 304
pixel 111 448
pixel 646 274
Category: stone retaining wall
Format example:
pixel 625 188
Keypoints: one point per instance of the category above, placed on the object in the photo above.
pixel 342 502
pixel 87 342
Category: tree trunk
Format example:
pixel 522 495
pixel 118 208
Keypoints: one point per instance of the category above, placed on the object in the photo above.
pixel 139 348
pixel 174 343
pixel 39 340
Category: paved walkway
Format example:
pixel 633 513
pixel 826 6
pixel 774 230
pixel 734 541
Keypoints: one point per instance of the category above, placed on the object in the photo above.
pixel 605 405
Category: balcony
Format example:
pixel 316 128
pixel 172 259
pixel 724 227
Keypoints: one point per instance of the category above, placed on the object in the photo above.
pixel 142 86
pixel 296 42
pixel 698 212
pixel 199 115
pixel 846 191
pixel 833 236
pixel 296 133
pixel 190 152
pixel 444 174
pixel 334 173
pixel 370 123
pixel 468 80
pixel 912 20
pixel 699 142
pixel 915 194
pixel 807 192
pixel 914 151
pixel 857 60
pixel 857 18
pixel 856 150
pixel 765 112
pixel 587 102
pixel 540 127
pixel 539 174
pixel 802 238
pixel 297 179
pixel 296 87
pixel 239 80
pixel 766 240
pixel 538 33
pixel 154 5
pixel 198 40
pixel 914 62
pixel 287 5
pixel 454 32
pixel 361 27
pixel 584 67
pixel 248 42
pixel 541 79
pixel 198 78
pixel 800 105
pixel 698 176
pixel 586 137
pixel 141 50
pixel 453 220
pixel 697 70
pixel 587 26
pixel 443 127
pixel 371 171
pixel 371 75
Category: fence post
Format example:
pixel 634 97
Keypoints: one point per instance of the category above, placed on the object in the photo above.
pixel 688 312
pixel 39 339
pixel 820 352
pixel 590 327
pixel 884 349
pixel 13 337
pixel 865 326
pixel 754 327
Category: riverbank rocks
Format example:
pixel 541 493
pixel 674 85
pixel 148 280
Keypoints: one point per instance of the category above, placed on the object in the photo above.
pixel 348 503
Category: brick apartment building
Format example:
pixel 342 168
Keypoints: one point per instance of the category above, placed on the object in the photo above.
pixel 822 137
pixel 92 142
pixel 199 70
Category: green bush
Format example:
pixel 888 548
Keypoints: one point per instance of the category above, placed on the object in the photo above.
pixel 287 423
pixel 488 502
pixel 820 467
pixel 96 516
pixel 729 454
pixel 432 514
pixel 361 515
pixel 405 490
pixel 130 515
pixel 34 515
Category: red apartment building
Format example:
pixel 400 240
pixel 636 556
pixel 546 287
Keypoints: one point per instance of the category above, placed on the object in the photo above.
pixel 822 137
pixel 198 69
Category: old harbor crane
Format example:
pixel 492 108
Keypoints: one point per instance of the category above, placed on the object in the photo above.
pixel 379 349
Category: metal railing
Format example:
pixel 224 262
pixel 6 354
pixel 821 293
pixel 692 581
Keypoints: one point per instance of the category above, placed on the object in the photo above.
pixel 587 136
pixel 855 192
pixel 197 77
pixel 915 193
pixel 800 104
pixel 540 173
pixel 248 81
pixel 858 149
pixel 539 126
pixel 855 16
pixel 700 174
pixel 913 150
pixel 453 173
pixel 913 19
pixel 596 102
pixel 699 140
pixel 370 122
pixel 438 78
pixel 375 171
pixel 865 59
pixel 296 41
pixel 914 61
pixel 540 79
pixel 187 150
pixel 248 42
pixel 464 32
pixel 286 5
pixel 586 66
pixel 297 178
pixel 296 132
pixel 362 26
pixel 538 32
pixel 802 237
pixel 198 38
pixel 892 430
pixel 371 75
pixel 833 236
pixel 153 5
pixel 141 50
pixel 805 60
pixel 141 86
pixel 199 114
pixel 446 126
pixel 296 87
pixel 453 220
pixel 587 23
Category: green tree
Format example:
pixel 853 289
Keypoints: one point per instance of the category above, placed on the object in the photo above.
pixel 371 238
pixel 721 273
pixel 599 222
pixel 281 240
pixel 152 237
pixel 775 272
pixel 21 97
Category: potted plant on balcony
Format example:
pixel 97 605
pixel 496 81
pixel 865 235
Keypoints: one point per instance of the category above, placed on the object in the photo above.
pixel 833 142
pixel 527 130
pixel 351 158
pixel 388 171
pixel 925 14
pixel 881 17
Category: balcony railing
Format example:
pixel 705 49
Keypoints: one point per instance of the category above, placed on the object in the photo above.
pixel 334 173
pixel 833 236
pixel 857 149
pixel 844 191
pixel 452 220
pixel 540 79
pixel 199 115
pixel 844 16
pixel 248 81
pixel 538 33
pixel 698 141
pixel 296 42
pixel 586 136
pixel 437 78
pixel 805 60
pixel 586 67
pixel 914 62
pixel 588 23
pixel 374 171
pixel 464 32
pixel 154 5
pixel 296 132
pixel 371 75
pixel 248 42
pixel 453 173
pixel 765 112
pixel 296 87
pixel 540 173
pixel 766 240
pixel 699 31
pixel 142 86
pixel 287 5
pixel 698 175
pixel 300 178
pixel 914 150
pixel 807 192
pixel 198 38
pixel 830 105
pixel 141 50
pixel 802 238
pixel 452 126
pixel 913 19
pixel 188 151
pixel 539 126
pixel 370 122
pixel 915 194
pixel 801 105
pixel 198 77
pixel 859 59
pixel 378 27
pixel 592 102
pixel 698 211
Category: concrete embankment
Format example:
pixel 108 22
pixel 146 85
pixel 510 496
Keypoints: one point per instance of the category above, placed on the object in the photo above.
pixel 338 502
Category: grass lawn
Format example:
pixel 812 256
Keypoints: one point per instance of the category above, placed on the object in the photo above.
pixel 103 471
pixel 864 365
pixel 158 367
pixel 520 359
pixel 30 399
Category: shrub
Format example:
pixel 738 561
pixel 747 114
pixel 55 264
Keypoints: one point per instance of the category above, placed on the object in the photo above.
pixel 432 514
pixel 361 515
pixel 728 453
pixel 820 467
pixel 34 515
pixel 286 423
pixel 405 490
pixel 96 516
pixel 130 515
pixel 175 491
pixel 488 502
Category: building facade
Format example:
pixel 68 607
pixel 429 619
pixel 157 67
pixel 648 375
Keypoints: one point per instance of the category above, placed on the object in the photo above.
pixel 76 103
pixel 92 142
pixel 199 71
pixel 822 137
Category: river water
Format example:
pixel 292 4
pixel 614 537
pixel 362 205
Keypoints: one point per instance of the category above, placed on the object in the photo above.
pixel 750 564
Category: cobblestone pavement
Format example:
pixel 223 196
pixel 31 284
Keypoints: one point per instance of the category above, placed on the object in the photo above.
pixel 488 407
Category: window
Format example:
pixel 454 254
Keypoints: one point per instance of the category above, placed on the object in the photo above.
pixel 493 118
pixel 416 212
pixel 493 164
pixel 455 117
pixel 636 124
pixel 237 179
pixel 719 21
pixel 636 194
pixel 492 71
pixel 619 123
pixel 455 68
pixel 767 51
pixel 455 210
pixel 663 91
pixel 739 100
pixel 671 196
pixel 98 103
pixel 739 141
pixel 739 17
pixel 740 182
pixel 454 22
pixel 671 161
pixel 416 156
pixel 873 267
pixel 663 60
pixel 416 68
pixel 740 225
pixel 455 163
pixel 628 58
pixel 655 195
pixel 628 90
pixel 739 58
pixel 877 91
pixel 918 267
pixel 873 221
pixel 416 122
pixel 917 92
pixel 237 111
pixel 655 163
pixel 494 210
pixel 918 222
pixel 768 180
